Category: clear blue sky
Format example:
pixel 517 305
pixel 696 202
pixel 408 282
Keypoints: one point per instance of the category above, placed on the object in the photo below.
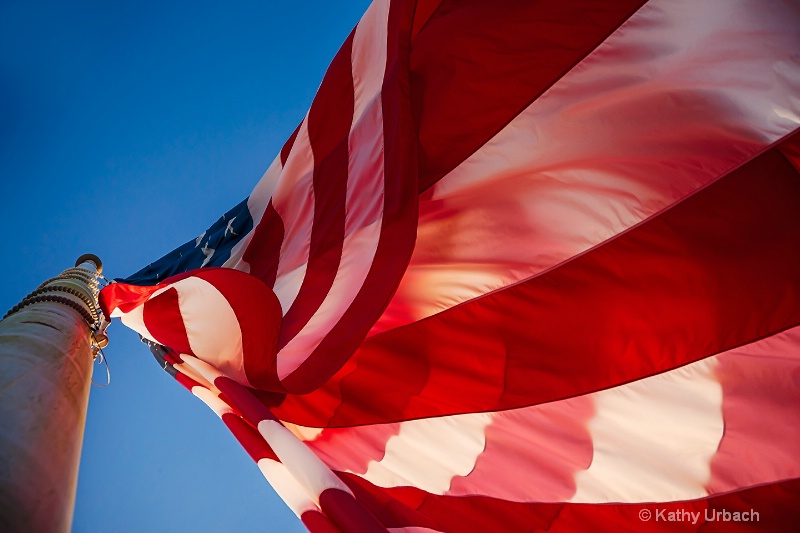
pixel 127 128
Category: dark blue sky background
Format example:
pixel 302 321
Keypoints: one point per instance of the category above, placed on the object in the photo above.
pixel 126 129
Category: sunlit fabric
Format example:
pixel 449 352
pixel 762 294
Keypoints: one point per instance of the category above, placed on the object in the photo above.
pixel 523 266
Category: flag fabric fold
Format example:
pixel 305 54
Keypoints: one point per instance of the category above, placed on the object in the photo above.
pixel 523 266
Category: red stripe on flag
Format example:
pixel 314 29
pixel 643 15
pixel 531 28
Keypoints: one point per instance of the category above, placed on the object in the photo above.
pixel 124 297
pixel 776 505
pixel 236 394
pixel 717 274
pixel 398 230
pixel 791 150
pixel 761 395
pixel 264 250
pixel 249 438
pixel 162 316
pixel 287 146
pixel 329 122
pixel 185 381
pixel 477 64
pixel 339 506
pixel 259 315
pixel 317 522
pixel 422 14
pixel 347 513
pixel 177 321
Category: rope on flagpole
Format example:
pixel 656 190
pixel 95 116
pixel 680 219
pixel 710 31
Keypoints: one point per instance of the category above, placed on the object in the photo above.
pixel 100 358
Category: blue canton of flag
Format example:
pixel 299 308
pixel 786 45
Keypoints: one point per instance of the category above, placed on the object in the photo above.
pixel 211 248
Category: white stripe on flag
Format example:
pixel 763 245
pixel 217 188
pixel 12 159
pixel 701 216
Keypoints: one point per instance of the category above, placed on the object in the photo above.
pixel 257 205
pixel 655 439
pixel 294 202
pixel 364 200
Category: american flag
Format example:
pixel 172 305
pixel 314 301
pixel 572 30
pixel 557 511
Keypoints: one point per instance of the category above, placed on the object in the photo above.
pixel 522 266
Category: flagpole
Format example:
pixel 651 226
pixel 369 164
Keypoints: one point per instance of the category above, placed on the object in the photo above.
pixel 47 344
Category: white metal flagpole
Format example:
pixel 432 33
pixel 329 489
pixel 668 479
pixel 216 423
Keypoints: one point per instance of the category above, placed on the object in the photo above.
pixel 47 344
